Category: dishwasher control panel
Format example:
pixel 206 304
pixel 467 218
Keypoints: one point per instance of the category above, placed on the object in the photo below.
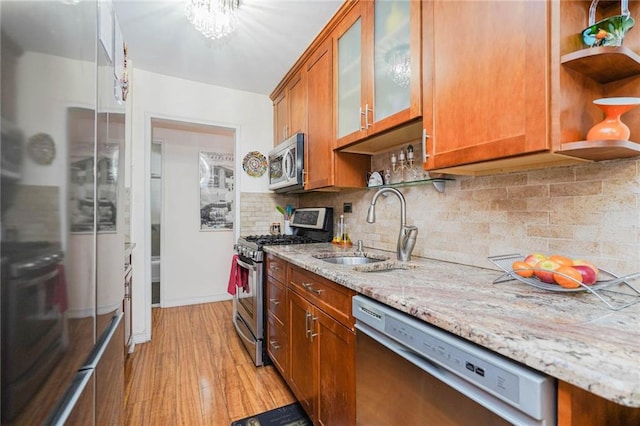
pixel 448 355
pixel 458 360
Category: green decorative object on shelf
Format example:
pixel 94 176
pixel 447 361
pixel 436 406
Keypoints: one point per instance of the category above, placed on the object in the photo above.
pixel 609 31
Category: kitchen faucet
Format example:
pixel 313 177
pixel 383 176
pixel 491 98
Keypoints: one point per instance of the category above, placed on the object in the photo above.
pixel 408 233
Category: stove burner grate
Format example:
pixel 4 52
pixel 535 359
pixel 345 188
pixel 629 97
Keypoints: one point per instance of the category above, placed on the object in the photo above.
pixel 271 240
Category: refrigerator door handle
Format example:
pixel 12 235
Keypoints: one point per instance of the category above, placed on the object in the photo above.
pixel 103 342
pixel 61 413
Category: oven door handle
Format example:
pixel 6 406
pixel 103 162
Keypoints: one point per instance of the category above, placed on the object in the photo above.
pixel 240 333
pixel 35 281
pixel 246 265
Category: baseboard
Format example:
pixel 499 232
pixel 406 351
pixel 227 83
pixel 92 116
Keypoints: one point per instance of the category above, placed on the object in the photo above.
pixel 195 300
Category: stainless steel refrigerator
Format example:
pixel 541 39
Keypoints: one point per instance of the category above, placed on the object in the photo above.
pixel 62 237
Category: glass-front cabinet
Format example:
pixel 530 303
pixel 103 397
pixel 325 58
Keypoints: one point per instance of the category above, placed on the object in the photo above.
pixel 378 47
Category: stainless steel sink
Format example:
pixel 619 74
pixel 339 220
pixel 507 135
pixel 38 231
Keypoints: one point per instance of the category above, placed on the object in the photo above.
pixel 341 259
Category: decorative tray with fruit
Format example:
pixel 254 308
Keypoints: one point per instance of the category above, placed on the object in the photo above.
pixel 561 274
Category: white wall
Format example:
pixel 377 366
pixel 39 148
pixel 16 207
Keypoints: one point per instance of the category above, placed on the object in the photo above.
pixel 159 96
pixel 195 264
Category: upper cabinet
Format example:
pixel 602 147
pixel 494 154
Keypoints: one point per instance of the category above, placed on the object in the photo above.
pixel 377 69
pixel 484 97
pixel 524 99
pixel 520 97
pixel 319 165
pixel 289 109
pixel 324 167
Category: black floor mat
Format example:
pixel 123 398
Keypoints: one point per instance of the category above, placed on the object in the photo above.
pixel 289 415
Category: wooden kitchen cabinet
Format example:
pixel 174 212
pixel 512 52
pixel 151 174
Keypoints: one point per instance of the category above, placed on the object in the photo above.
pixel 277 314
pixel 323 166
pixel 289 108
pixel 517 107
pixel 377 69
pixel 577 407
pixel 485 98
pixel 322 348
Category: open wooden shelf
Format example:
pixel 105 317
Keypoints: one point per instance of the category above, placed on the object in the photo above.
pixel 600 150
pixel 604 64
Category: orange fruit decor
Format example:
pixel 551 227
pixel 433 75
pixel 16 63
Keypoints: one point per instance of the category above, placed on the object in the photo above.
pixel 522 268
pixel 562 260
pixel 565 276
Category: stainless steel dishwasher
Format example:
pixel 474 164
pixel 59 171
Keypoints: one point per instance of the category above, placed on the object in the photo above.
pixel 409 372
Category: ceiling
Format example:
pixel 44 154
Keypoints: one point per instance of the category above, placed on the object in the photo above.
pixel 271 36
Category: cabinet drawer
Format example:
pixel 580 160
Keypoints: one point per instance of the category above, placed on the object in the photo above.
pixel 278 346
pixel 332 298
pixel 276 268
pixel 276 300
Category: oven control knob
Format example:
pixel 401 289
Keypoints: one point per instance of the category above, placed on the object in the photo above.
pixel 251 254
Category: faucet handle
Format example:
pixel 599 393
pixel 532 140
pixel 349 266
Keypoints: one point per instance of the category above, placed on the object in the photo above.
pixel 360 246
pixel 406 242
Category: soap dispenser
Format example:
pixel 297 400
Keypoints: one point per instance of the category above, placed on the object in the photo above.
pixel 341 236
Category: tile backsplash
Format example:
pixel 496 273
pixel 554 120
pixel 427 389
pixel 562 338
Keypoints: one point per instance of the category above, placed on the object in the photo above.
pixel 33 214
pixel 258 211
pixel 590 211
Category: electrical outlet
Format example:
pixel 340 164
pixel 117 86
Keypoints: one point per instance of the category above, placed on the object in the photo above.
pixel 346 208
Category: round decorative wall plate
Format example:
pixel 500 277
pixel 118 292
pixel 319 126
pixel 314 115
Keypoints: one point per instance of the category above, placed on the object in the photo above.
pixel 254 163
pixel 41 148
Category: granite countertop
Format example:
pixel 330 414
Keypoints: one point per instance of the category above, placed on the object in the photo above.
pixel 573 337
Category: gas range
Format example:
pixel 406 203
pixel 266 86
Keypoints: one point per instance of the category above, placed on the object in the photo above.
pixel 309 225
pixel 251 246
pixel 22 258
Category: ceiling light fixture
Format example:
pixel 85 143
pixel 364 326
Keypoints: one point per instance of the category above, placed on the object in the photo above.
pixel 213 18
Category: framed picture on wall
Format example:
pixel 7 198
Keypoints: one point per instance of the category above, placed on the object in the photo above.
pixel 217 196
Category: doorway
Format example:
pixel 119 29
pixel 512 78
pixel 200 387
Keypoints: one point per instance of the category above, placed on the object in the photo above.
pixel 192 214
pixel 156 219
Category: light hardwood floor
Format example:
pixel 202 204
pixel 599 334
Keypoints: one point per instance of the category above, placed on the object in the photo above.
pixel 196 372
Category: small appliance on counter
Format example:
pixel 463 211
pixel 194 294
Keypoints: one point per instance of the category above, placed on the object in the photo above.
pixel 309 225
pixel 315 223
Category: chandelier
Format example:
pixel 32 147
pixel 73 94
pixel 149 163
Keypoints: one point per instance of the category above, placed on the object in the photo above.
pixel 213 18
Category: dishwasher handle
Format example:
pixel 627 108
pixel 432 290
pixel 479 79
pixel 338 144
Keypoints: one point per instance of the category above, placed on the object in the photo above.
pixel 482 397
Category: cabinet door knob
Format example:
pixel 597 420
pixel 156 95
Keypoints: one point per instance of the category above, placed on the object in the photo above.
pixel 274 301
pixel 274 344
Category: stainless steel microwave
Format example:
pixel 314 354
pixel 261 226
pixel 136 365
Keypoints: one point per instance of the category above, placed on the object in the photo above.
pixel 286 165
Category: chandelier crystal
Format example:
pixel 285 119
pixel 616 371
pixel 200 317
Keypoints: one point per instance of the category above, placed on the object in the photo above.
pixel 213 18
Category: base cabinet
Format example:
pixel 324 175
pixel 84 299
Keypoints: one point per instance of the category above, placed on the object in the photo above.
pixel 303 346
pixel 313 347
pixel 335 368
pixel 577 407
pixel 277 314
